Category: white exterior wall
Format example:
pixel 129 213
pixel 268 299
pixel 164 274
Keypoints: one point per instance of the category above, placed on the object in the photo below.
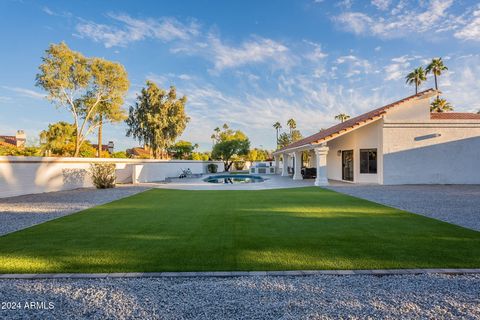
pixel 366 137
pixel 24 175
pixel 415 154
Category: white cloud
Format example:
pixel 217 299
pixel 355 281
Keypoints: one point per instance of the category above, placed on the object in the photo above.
pixel 381 4
pixel 25 92
pixel 399 67
pixel 471 31
pixel 48 11
pixel 400 23
pixel 252 51
pixel 132 30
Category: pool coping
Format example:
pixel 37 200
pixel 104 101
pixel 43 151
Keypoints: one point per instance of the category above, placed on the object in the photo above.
pixel 375 272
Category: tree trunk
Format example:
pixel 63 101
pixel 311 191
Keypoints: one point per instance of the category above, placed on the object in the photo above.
pixel 436 85
pixel 77 145
pixel 99 152
pixel 416 88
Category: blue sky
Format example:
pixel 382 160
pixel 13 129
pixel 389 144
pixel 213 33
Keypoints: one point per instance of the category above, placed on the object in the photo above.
pixel 245 63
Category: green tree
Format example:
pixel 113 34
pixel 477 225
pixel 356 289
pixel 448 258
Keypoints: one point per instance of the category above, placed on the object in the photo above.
pixel 277 126
pixel 416 77
pixel 182 150
pixel 342 117
pixel 292 124
pixel 440 105
pixel 56 139
pixel 287 138
pixel 87 87
pixel 157 118
pixel 436 67
pixel 229 144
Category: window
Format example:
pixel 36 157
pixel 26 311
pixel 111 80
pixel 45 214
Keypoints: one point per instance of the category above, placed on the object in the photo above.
pixel 368 160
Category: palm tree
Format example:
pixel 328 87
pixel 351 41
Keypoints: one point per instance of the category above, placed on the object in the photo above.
pixel 416 77
pixel 291 124
pixel 436 67
pixel 342 117
pixel 277 127
pixel 440 105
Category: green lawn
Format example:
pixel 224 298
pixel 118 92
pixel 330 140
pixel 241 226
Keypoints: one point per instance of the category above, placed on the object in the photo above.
pixel 303 228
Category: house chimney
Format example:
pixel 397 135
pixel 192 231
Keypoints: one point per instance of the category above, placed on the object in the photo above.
pixel 111 145
pixel 21 138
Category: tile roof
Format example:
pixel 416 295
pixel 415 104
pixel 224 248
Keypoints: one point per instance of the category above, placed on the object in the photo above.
pixel 351 123
pixel 12 140
pixel 454 116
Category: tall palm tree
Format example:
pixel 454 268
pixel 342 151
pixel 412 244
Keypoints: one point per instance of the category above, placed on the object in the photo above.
pixel 277 127
pixel 342 117
pixel 436 67
pixel 440 105
pixel 292 124
pixel 416 77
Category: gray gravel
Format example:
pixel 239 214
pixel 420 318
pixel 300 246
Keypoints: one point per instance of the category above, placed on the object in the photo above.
pixel 25 211
pixel 457 204
pixel 310 297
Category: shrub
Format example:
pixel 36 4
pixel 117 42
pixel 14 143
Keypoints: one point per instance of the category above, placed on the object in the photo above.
pixel 239 165
pixel 212 168
pixel 103 175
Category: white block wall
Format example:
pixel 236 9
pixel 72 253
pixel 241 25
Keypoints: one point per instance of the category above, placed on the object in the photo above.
pixel 25 175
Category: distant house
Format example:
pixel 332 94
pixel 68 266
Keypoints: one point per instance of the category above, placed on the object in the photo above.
pixel 18 140
pixel 138 152
pixel 106 147
pixel 400 143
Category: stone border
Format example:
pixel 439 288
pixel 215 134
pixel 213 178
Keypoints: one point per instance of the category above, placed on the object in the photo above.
pixel 376 272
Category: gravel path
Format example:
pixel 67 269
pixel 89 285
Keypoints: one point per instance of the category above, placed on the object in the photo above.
pixel 25 211
pixel 457 204
pixel 309 297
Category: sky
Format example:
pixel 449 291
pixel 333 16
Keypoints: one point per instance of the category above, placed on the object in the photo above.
pixel 244 63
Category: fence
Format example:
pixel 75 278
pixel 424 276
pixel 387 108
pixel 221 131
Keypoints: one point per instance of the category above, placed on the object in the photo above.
pixel 24 175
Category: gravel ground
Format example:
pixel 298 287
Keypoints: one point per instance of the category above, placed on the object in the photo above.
pixel 457 204
pixel 309 297
pixel 25 211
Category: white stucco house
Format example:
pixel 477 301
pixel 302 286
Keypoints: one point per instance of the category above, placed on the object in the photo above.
pixel 400 143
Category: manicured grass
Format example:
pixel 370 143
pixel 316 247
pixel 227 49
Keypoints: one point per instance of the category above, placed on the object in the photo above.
pixel 172 230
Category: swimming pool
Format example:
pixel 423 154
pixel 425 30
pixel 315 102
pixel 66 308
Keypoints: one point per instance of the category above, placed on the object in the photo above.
pixel 233 178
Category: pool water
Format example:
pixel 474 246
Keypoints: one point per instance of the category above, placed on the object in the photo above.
pixel 233 178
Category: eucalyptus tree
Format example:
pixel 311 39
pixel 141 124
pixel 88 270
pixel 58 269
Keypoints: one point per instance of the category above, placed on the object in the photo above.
pixel 436 67
pixel 342 117
pixel 157 118
pixel 416 77
pixel 92 89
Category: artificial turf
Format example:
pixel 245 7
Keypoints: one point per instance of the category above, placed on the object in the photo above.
pixel 284 229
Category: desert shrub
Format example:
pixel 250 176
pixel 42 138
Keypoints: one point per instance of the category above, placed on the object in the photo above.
pixel 119 154
pixel 212 168
pixel 239 165
pixel 103 175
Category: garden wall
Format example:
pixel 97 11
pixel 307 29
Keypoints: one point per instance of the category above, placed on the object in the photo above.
pixel 24 175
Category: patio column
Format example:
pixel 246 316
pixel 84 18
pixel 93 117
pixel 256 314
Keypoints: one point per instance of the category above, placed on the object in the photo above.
pixel 284 165
pixel 277 163
pixel 321 161
pixel 297 173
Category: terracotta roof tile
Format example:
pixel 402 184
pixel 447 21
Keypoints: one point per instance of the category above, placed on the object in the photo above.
pixel 454 116
pixel 351 123
pixel 9 139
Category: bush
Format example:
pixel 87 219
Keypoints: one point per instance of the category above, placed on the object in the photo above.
pixel 212 168
pixel 119 154
pixel 239 165
pixel 103 175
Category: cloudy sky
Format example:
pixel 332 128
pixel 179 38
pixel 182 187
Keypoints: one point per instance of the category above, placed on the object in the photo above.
pixel 245 63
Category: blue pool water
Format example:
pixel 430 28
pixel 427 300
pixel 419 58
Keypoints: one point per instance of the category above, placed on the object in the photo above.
pixel 233 178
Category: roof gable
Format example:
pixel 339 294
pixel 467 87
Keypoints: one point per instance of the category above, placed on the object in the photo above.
pixel 353 123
